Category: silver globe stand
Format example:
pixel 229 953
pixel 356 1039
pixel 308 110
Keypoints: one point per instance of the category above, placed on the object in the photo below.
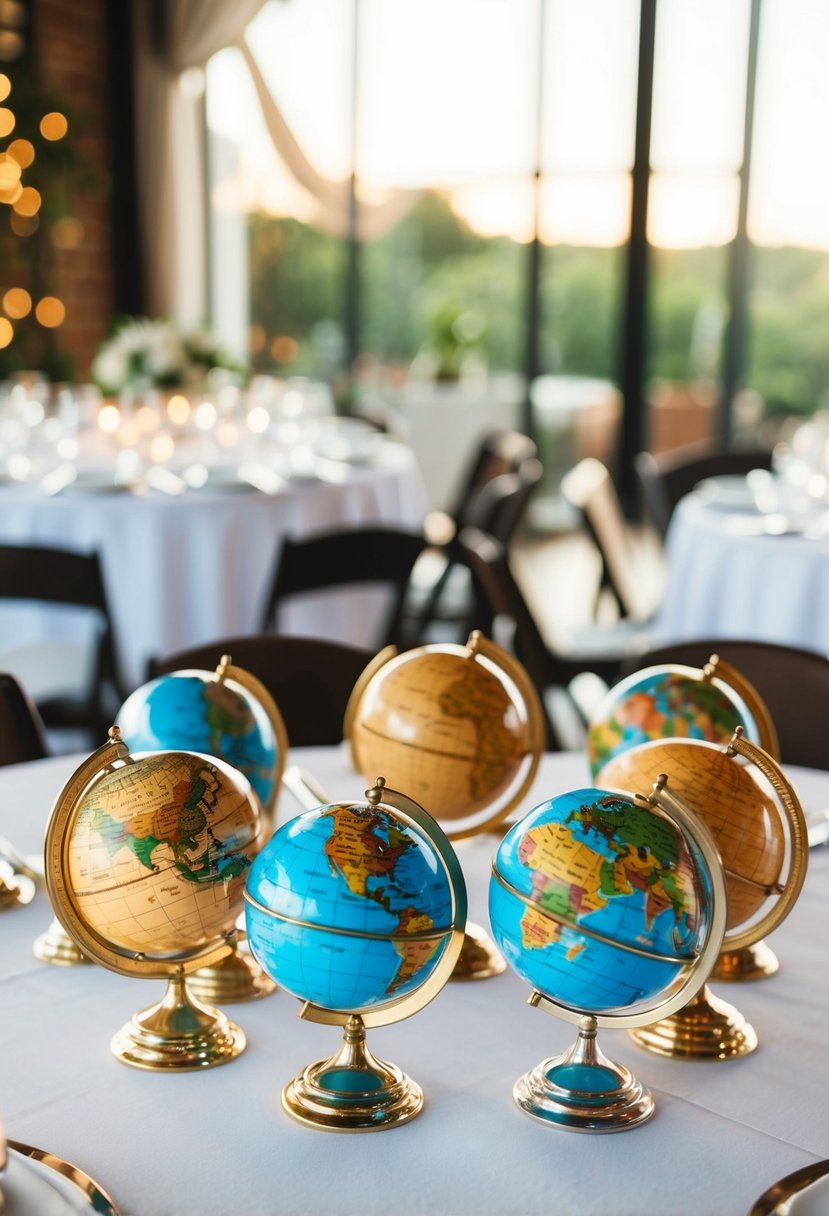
pixel 582 1091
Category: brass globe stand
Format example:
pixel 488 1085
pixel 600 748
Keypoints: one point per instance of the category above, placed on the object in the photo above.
pixel 479 957
pixel 581 1090
pixel 710 1028
pixel 704 1029
pixel 352 1091
pixel 238 977
pixel 56 946
pixel 178 1033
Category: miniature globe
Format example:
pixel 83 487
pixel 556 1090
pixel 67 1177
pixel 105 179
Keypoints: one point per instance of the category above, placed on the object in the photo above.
pixel 156 853
pixel 350 906
pixel 452 727
pixel 742 816
pixel 665 702
pixel 196 711
pixel 600 903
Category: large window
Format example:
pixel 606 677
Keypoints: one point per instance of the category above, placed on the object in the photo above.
pixel 443 189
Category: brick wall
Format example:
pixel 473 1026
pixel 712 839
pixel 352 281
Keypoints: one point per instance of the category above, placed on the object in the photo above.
pixel 72 61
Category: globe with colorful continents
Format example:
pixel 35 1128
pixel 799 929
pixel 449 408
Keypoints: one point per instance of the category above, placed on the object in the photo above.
pixel 448 725
pixel 157 852
pixel 598 902
pixel 665 702
pixel 742 815
pixel 349 906
pixel 196 711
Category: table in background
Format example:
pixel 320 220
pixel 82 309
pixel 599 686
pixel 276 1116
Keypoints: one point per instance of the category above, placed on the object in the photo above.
pixel 728 577
pixel 183 570
pixel 218 1142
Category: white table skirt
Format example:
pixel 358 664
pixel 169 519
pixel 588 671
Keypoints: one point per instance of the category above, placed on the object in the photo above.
pixel 725 580
pixel 216 1143
pixel 182 571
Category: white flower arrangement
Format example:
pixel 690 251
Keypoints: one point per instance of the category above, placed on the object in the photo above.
pixel 144 354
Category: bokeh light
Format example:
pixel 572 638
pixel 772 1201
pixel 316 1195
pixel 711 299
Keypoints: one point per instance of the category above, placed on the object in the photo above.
pixel 67 233
pixel 50 312
pixel 178 409
pixel 53 125
pixel 6 332
pixel 7 121
pixel 23 225
pixel 29 201
pixel 17 302
pixel 284 348
pixel 22 151
pixel 109 418
pixel 5 86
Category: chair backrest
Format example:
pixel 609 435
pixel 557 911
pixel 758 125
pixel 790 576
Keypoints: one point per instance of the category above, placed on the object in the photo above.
pixel 500 451
pixel 310 679
pixel 56 576
pixel 347 557
pixel 794 684
pixel 499 505
pixel 588 488
pixel 668 477
pixel 22 736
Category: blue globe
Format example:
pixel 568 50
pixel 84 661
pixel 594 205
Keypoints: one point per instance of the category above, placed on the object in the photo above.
pixel 349 906
pixel 597 902
pixel 194 711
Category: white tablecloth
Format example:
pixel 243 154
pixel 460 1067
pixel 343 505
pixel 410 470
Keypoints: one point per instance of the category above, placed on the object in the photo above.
pixel 216 1143
pixel 728 579
pixel 181 571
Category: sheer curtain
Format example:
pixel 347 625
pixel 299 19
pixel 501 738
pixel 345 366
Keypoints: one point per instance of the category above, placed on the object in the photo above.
pixel 170 146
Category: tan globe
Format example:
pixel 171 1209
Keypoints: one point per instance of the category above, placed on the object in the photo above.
pixel 449 727
pixel 158 851
pixel 743 818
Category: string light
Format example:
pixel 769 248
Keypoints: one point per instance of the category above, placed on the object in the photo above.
pixel 53 126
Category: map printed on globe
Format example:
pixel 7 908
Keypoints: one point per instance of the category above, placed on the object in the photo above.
pixel 594 862
pixel 359 880
pixel 194 711
pixel 444 728
pixel 660 703
pixel 159 850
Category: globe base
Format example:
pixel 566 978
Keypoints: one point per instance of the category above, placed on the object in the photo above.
pixel 479 958
pixel 56 946
pixel 583 1091
pixel 755 962
pixel 705 1029
pixel 238 977
pixel 352 1091
pixel 178 1033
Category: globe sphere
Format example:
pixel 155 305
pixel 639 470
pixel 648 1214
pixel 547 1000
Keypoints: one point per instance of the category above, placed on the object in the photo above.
pixel 665 702
pixel 599 903
pixel 192 710
pixel 349 906
pixel 157 852
pixel 742 816
pixel 448 726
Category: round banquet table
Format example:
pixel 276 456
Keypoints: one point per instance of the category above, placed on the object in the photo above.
pixel 736 573
pixel 218 1142
pixel 183 570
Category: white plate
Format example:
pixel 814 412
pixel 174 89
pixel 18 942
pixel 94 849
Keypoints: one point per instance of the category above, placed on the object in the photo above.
pixel 728 493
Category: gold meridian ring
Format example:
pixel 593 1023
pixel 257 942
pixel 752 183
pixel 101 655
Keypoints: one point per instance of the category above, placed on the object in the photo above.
pixel 423 935
pixel 590 932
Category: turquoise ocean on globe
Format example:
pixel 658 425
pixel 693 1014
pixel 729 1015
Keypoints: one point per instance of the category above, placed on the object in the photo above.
pixel 605 864
pixel 366 875
pixel 193 711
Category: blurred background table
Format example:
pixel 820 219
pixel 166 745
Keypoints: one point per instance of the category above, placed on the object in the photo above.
pixel 734 570
pixel 184 568
pixel 219 1142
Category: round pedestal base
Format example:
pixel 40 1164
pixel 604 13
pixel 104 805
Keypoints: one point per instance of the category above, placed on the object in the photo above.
pixel 238 977
pixel 706 1029
pixel 178 1034
pixel 755 962
pixel 56 946
pixel 15 888
pixel 352 1091
pixel 600 1097
pixel 479 959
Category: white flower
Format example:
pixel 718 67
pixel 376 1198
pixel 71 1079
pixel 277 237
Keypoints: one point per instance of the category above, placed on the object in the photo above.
pixel 145 353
